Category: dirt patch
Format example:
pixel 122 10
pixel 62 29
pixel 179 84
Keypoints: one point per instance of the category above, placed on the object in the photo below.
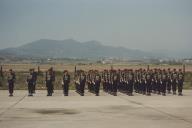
pixel 57 111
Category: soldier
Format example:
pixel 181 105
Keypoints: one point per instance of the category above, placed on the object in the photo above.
pixel 140 90
pixel 130 82
pixel 1 72
pixel 159 81
pixel 76 80
pixel 148 82
pixel 80 83
pixel 169 81
pixel 164 82
pixel 31 78
pixel 35 80
pixel 114 84
pixel 174 81
pixel 143 81
pixel 65 83
pixel 153 81
pixel 136 81
pixel 180 82
pixel 121 81
pixel 11 81
pixel 97 82
pixel 50 78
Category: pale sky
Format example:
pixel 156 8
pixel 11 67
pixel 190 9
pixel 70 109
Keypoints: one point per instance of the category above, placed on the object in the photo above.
pixel 137 24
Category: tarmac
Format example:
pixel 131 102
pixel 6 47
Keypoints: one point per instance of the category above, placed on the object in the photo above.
pixel 90 111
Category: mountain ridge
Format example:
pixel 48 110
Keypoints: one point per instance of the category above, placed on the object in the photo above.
pixel 71 48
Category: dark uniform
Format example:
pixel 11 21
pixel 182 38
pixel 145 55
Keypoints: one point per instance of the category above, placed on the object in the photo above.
pixel 148 83
pixel 11 81
pixel 50 78
pixel 97 82
pixel 169 81
pixel 174 81
pixel 31 79
pixel 82 81
pixel 65 83
pixel 113 83
pixel 164 82
pixel 143 82
pixel 35 81
pixel 130 83
pixel 180 82
pixel 159 82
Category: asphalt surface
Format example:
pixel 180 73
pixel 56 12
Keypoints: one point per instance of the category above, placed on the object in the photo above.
pixel 89 111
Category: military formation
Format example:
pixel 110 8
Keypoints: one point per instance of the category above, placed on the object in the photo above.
pixel 143 81
pixel 127 81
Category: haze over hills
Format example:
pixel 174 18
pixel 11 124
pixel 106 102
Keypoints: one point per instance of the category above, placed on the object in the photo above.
pixel 70 48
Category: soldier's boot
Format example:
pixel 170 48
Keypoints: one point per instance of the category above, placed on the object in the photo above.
pixel 10 95
pixel 115 93
pixel 174 93
pixel 159 93
pixel 169 92
pixel 148 94
pixel 163 94
pixel 144 93
pixel 30 94
pixel 97 94
pixel 180 94
pixel 130 94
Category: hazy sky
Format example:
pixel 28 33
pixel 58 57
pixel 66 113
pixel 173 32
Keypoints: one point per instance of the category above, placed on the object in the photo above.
pixel 138 24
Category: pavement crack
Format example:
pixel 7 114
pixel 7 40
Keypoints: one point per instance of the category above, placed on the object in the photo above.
pixel 8 108
pixel 155 109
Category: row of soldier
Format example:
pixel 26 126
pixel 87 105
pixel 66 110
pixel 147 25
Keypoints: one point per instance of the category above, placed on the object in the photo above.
pixel 125 81
pixel 143 81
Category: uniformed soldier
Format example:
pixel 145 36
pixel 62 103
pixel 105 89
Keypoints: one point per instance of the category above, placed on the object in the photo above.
pixel 49 79
pixel 35 80
pixel 174 79
pixel 136 81
pixel 169 81
pixel 115 82
pixel 97 82
pixel 180 82
pixel 153 81
pixel 143 81
pixel 163 82
pixel 65 82
pixel 148 82
pixel 11 81
pixel 31 78
pixel 159 81
pixel 82 81
pixel 105 80
pixel 130 82
pixel 76 80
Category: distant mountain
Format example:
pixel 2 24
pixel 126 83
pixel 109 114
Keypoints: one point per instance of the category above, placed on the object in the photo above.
pixel 70 48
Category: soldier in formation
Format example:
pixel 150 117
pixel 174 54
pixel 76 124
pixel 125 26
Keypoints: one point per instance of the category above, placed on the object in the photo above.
pixel 93 81
pixel 31 81
pixel 11 81
pixel 80 81
pixel 65 82
pixel 49 80
pixel 142 81
pixel 110 80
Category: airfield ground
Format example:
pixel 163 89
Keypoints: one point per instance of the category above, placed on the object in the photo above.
pixel 105 111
